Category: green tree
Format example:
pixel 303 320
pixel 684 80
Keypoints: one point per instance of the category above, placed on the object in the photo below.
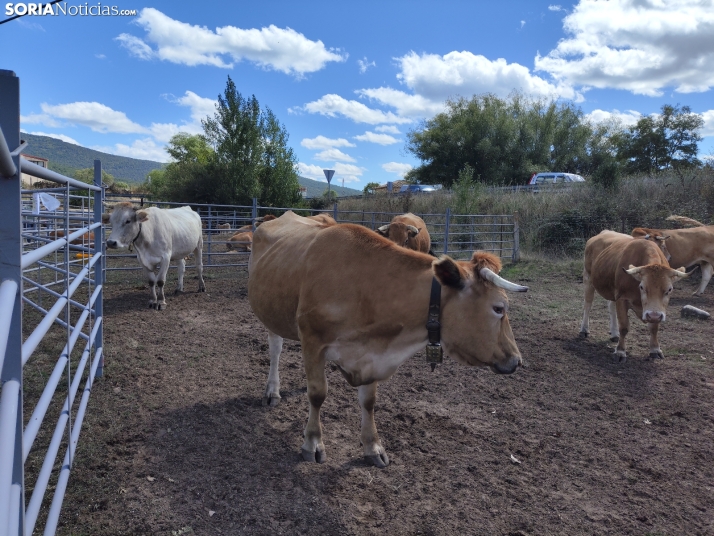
pixel 251 156
pixel 668 140
pixel 370 187
pixel 86 175
pixel 503 140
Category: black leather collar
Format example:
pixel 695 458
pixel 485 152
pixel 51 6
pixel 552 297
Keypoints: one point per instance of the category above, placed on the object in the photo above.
pixel 131 246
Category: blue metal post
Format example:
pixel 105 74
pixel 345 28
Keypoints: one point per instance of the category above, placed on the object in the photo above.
pixel 254 212
pixel 100 266
pixel 334 211
pixel 12 485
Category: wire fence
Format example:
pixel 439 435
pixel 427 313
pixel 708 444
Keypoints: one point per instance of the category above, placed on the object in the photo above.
pixel 51 302
pixel 457 235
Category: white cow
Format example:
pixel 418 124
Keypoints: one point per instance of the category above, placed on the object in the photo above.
pixel 159 236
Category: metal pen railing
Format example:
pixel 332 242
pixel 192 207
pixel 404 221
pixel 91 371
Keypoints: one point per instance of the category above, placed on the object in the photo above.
pixel 61 283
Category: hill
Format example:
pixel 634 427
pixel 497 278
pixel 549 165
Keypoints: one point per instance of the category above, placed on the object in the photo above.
pixel 317 188
pixel 66 158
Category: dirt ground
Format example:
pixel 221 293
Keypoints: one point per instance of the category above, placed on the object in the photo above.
pixel 177 441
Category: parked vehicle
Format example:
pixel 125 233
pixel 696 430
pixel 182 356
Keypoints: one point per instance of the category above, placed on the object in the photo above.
pixel 416 188
pixel 554 177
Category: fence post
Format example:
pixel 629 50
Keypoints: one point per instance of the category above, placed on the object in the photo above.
pixel 210 234
pixel 446 231
pixel 516 256
pixel 12 485
pixel 254 212
pixel 334 211
pixel 100 266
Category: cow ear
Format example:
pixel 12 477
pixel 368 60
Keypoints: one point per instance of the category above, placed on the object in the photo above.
pixel 142 216
pixel 639 232
pixel 383 230
pixel 634 271
pixel 447 272
pixel 105 218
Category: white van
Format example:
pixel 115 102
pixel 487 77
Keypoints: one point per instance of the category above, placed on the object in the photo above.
pixel 554 177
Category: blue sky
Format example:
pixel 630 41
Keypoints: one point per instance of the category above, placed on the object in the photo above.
pixel 349 79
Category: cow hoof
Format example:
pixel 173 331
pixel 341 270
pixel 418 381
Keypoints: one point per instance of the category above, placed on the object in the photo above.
pixel 271 400
pixel 178 291
pixel 657 355
pixel 160 306
pixel 319 456
pixel 583 334
pixel 378 460
pixel 619 357
pixel 615 339
pixel 202 289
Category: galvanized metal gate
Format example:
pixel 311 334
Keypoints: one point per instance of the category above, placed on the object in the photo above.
pixel 51 280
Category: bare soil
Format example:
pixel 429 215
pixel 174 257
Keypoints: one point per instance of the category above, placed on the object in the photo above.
pixel 177 441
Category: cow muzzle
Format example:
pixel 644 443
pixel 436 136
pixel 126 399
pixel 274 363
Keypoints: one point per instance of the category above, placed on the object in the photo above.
pixel 112 244
pixel 508 367
pixel 653 317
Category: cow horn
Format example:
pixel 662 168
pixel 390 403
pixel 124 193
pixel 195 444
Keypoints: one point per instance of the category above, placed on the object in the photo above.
pixel 497 280
pixel 413 229
pixel 383 229
pixel 633 270
pixel 647 236
pixel 662 237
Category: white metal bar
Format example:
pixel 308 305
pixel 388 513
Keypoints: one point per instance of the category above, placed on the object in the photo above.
pixel 35 255
pixel 9 400
pixel 46 174
pixel 43 478
pixel 30 344
pixel 8 289
pixel 38 415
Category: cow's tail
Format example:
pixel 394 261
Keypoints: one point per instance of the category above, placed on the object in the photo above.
pixel 683 220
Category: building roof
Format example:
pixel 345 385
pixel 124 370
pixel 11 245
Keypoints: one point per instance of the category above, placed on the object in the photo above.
pixel 33 157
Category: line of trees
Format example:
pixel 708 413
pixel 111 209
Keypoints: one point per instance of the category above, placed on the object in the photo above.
pixel 242 154
pixel 504 141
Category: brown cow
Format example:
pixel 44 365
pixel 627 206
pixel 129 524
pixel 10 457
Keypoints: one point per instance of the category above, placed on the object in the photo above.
pixel 630 274
pixel 688 247
pixel 240 241
pixel 86 239
pixel 409 231
pixel 224 226
pixel 258 221
pixel 356 299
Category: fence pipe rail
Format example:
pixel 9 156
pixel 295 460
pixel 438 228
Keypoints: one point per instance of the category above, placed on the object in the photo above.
pixel 35 255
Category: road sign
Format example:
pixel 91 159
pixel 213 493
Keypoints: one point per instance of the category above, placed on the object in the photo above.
pixel 328 174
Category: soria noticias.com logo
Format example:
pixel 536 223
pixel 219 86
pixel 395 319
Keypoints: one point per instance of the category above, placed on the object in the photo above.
pixel 86 9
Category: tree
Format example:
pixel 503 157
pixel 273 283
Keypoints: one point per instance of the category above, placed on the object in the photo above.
pixel 370 187
pixel 86 175
pixel 668 140
pixel 251 156
pixel 504 141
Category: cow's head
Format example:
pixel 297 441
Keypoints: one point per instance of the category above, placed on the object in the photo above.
pixel 401 234
pixel 125 220
pixel 653 235
pixel 656 283
pixel 474 318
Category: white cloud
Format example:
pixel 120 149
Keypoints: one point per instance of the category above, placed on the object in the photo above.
pixel 39 119
pixel 555 8
pixel 321 142
pixel 523 23
pixel 98 117
pixel 100 56
pixel 437 78
pixel 56 136
pixel 399 168
pixel 143 149
pixel 279 49
pixel 639 46
pixel 407 106
pixel 201 107
pixel 364 65
pixel 135 46
pixel 334 105
pixel 349 172
pixel 388 129
pixel 373 137
pixel 708 117
pixel 628 118
pixel 329 155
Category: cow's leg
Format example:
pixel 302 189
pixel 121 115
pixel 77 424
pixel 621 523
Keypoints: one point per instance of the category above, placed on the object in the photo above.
pixel 181 271
pixel 161 281
pixel 197 253
pixel 655 351
pixel 623 322
pixel 151 279
pixel 374 453
pixel 589 297
pixel 614 330
pixel 707 272
pixel 313 449
pixel 272 390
